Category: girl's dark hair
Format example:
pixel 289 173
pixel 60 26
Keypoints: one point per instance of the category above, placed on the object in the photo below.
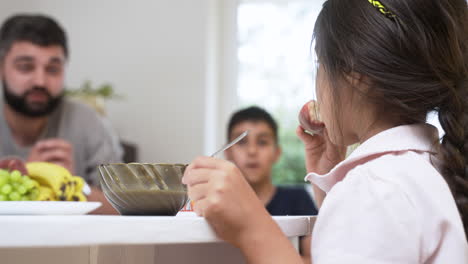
pixel 416 60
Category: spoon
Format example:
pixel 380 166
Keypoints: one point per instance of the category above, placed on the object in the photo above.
pixel 230 144
pixel 189 203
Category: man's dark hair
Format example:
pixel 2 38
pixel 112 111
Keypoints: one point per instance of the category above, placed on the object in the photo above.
pixel 253 114
pixel 37 29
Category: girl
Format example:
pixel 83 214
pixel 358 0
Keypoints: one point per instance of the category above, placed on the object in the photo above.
pixel 383 66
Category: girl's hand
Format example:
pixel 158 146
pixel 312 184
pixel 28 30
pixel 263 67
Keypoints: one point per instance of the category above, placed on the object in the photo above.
pixel 321 155
pixel 222 195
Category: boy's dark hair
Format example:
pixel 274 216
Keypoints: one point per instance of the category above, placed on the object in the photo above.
pixel 37 29
pixel 415 56
pixel 253 114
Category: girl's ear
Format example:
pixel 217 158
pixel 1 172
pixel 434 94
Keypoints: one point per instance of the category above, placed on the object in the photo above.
pixel 358 81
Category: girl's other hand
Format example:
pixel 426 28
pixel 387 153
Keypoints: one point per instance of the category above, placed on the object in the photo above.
pixel 321 155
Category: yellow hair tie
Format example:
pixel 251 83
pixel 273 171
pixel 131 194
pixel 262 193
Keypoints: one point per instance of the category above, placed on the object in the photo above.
pixel 381 8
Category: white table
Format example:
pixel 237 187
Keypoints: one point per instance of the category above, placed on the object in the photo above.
pixel 93 239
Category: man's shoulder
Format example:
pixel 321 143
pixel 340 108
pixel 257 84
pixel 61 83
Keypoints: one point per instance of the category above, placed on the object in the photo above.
pixel 73 118
pixel 77 106
pixel 74 110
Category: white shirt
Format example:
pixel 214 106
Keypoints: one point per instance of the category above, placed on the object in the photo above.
pixel 387 203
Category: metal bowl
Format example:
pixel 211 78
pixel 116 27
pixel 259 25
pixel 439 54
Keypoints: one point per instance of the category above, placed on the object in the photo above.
pixel 144 188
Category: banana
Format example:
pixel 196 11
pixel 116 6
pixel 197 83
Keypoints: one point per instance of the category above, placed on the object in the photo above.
pixel 79 197
pixel 45 194
pixel 56 182
pixel 53 176
pixel 79 183
pixel 71 188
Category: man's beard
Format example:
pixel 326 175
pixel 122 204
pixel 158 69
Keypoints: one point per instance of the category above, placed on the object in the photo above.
pixel 20 104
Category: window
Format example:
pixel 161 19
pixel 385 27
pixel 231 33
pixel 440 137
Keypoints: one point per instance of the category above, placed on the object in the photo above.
pixel 276 70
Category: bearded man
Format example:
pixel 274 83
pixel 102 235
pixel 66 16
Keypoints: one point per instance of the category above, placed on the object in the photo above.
pixel 37 123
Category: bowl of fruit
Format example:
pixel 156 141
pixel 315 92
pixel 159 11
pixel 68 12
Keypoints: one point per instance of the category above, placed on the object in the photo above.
pixel 38 181
pixel 144 188
pixel 40 188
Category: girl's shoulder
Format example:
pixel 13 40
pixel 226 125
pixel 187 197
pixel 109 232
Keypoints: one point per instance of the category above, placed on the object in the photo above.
pixel 404 182
pixel 399 164
pixel 399 196
pixel 405 171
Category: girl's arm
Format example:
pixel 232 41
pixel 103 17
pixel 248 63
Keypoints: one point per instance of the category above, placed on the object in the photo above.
pixel 222 195
pixel 269 246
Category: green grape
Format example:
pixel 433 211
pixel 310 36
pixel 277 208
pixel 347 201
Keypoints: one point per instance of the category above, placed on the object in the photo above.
pixel 14 196
pixel 3 179
pixel 29 184
pixel 22 189
pixel 6 189
pixel 15 176
pixel 33 194
pixel 4 173
pixel 15 185
pixel 22 179
pixel 3 197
